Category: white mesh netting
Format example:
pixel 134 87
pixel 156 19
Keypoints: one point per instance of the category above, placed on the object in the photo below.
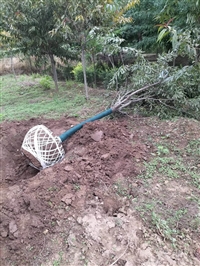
pixel 40 144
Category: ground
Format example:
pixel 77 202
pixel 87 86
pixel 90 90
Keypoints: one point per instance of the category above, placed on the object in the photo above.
pixel 126 193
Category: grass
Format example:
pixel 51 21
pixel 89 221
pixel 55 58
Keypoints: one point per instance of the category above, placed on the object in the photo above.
pixel 172 224
pixel 193 147
pixel 59 260
pixel 26 98
pixel 172 164
pixel 169 177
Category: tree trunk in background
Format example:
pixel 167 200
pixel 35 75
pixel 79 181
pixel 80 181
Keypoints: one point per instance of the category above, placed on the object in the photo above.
pixel 84 71
pixel 12 66
pixel 53 66
pixel 30 63
pixel 95 71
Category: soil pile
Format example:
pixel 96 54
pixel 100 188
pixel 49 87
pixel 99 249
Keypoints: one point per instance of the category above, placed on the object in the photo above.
pixel 71 213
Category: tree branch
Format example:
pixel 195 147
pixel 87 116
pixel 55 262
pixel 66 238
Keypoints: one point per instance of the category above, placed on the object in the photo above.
pixel 127 96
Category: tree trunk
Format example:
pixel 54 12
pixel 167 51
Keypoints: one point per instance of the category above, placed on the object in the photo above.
pixel 95 71
pixel 12 66
pixel 30 63
pixel 53 66
pixel 84 71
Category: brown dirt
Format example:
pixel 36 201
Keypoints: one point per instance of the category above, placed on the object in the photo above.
pixel 73 213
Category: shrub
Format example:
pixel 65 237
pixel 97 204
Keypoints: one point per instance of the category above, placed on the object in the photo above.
pixel 106 75
pixel 78 73
pixel 46 82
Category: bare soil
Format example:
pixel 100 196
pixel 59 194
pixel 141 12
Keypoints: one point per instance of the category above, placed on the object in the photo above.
pixel 84 210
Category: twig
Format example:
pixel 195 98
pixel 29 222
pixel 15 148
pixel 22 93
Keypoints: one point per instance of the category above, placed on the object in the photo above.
pixel 122 100
pixel 172 107
pixel 120 255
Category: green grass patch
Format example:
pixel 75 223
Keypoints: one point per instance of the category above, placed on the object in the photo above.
pixel 168 202
pixel 171 164
pixel 172 224
pixel 165 166
pixel 193 147
pixel 34 96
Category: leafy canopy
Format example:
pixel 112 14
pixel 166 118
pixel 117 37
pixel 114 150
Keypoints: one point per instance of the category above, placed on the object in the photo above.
pixel 29 23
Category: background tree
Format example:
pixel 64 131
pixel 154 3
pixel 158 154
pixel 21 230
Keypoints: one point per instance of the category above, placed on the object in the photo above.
pixel 184 12
pixel 142 31
pixel 182 26
pixel 83 16
pixel 29 23
pixel 7 48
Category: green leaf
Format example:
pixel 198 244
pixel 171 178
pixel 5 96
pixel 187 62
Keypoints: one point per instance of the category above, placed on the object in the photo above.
pixel 162 34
